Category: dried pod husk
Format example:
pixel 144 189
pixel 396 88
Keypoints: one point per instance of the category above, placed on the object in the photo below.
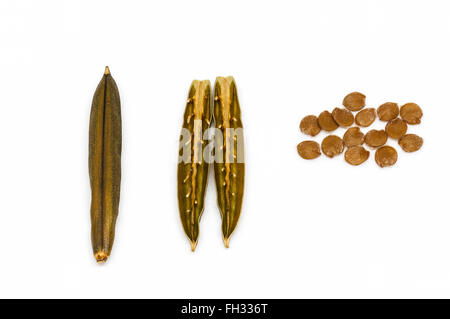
pixel 308 149
pixel 192 175
pixel 410 142
pixel 386 156
pixel 229 166
pixel 353 137
pixel 365 117
pixel 354 101
pixel 388 111
pixel 343 117
pixel 332 145
pixel 411 113
pixel 356 155
pixel 396 128
pixel 326 121
pixel 376 138
pixel 105 148
pixel 309 125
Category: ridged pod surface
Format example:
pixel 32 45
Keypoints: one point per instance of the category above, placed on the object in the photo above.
pixel 192 175
pixel 105 147
pixel 229 166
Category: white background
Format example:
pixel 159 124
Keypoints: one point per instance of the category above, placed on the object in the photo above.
pixel 309 229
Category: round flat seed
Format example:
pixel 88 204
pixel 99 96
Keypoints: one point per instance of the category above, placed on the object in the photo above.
pixel 396 128
pixel 376 138
pixel 388 111
pixel 308 149
pixel 353 137
pixel 332 145
pixel 326 121
pixel 365 117
pixel 386 156
pixel 343 117
pixel 354 101
pixel 356 155
pixel 410 142
pixel 411 113
pixel 309 125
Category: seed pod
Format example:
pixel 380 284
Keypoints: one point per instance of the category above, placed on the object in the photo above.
pixel 332 145
pixel 326 121
pixel 386 156
pixel 308 149
pixel 356 155
pixel 229 166
pixel 343 117
pixel 410 142
pixel 354 101
pixel 376 138
pixel 353 137
pixel 105 147
pixel 396 128
pixel 411 113
pixel 388 111
pixel 309 125
pixel 192 167
pixel 365 117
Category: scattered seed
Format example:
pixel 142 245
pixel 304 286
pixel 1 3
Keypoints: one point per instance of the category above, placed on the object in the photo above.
pixel 356 155
pixel 354 101
pixel 396 128
pixel 310 125
pixel 332 145
pixel 343 117
pixel 353 137
pixel 326 121
pixel 308 149
pixel 388 111
pixel 386 156
pixel 410 142
pixel 376 138
pixel 411 113
pixel 365 117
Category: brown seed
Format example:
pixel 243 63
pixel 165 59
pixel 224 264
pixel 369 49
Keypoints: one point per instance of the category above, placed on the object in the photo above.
pixel 410 142
pixel 365 117
pixel 332 145
pixel 386 156
pixel 309 125
pixel 326 121
pixel 353 137
pixel 411 113
pixel 388 111
pixel 376 138
pixel 356 155
pixel 354 101
pixel 343 117
pixel 396 128
pixel 308 149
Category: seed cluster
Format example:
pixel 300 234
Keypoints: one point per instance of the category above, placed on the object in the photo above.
pixel 332 145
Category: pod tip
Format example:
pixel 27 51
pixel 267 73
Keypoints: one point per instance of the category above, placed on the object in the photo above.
pixel 107 70
pixel 193 245
pixel 101 257
pixel 226 241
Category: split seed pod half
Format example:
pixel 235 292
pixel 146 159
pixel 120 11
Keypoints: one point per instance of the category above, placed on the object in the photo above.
pixel 193 168
pixel 229 166
pixel 105 148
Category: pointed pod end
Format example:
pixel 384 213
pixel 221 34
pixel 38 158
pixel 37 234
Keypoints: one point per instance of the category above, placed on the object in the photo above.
pixel 193 245
pixel 107 70
pixel 226 241
pixel 101 257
